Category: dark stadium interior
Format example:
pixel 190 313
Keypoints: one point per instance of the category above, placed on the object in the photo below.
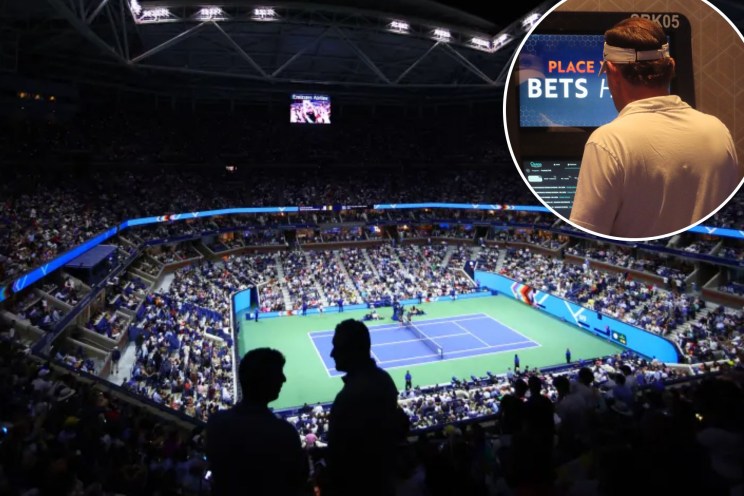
pixel 121 131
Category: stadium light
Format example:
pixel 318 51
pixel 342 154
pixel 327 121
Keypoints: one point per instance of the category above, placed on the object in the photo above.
pixel 135 7
pixel 399 26
pixel 530 21
pixel 211 14
pixel 442 34
pixel 155 15
pixel 264 14
pixel 481 43
pixel 501 40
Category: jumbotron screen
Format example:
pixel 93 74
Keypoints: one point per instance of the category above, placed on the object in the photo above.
pixel 559 83
pixel 309 108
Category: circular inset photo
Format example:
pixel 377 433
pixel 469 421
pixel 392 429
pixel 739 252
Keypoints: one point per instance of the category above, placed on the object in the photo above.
pixel 623 123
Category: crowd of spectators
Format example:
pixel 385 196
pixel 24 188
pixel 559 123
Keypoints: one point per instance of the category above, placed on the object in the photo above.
pixel 46 214
pixel 61 435
pixel 568 431
pixel 126 291
pixel 700 245
pixel 333 278
pixel 166 135
pixel 108 322
pixel 299 279
pixel 674 271
pixel 67 290
pixel 148 265
pixel 613 294
pixel 734 252
pixel 411 272
pixel 716 335
pixel 731 215
pixel 539 238
pixel 38 310
pixel 735 288
pixel 342 234
pixel 180 362
pixel 169 254
pixel 479 397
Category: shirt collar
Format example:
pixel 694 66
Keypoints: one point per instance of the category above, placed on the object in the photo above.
pixel 365 367
pixel 654 104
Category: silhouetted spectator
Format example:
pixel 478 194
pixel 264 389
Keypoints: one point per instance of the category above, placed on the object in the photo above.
pixel 365 422
pixel 250 451
pixel 538 410
pixel 115 357
pixel 511 411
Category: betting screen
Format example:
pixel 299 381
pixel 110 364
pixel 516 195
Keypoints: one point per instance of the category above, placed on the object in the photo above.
pixel 554 181
pixel 310 109
pixel 559 82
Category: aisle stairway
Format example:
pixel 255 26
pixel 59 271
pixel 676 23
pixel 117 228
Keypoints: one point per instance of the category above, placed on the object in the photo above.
pixel 280 275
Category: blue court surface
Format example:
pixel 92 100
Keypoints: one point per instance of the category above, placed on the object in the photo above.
pixel 395 345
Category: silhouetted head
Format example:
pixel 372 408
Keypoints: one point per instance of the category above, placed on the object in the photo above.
pixel 520 388
pixel 535 384
pixel 619 379
pixel 261 375
pixel 562 385
pixel 586 376
pixel 351 345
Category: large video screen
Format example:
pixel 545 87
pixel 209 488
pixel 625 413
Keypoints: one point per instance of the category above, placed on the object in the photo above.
pixel 559 84
pixel 310 109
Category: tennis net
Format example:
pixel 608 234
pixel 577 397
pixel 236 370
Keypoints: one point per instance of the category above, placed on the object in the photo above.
pixel 433 346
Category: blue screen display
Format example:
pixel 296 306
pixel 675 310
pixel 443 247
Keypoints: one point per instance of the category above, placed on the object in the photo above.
pixel 559 84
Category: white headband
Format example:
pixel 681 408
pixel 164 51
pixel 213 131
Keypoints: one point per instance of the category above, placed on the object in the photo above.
pixel 629 55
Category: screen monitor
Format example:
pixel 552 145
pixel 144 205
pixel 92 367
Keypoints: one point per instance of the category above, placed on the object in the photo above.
pixel 556 97
pixel 559 82
pixel 308 108
pixel 554 180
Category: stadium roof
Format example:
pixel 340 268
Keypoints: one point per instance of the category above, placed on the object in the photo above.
pixel 231 48
pixel 237 50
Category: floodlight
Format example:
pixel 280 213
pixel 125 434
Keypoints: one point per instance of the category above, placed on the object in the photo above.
pixel 155 14
pixel 264 14
pixel 399 26
pixel 211 13
pixel 530 20
pixel 442 34
pixel 501 40
pixel 481 43
pixel 135 7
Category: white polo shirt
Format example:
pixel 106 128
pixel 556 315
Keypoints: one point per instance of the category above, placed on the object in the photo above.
pixel 660 166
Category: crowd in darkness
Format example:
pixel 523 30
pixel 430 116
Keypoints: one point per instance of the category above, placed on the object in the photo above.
pixel 608 426
pixel 43 214
pixel 63 436
pixel 568 431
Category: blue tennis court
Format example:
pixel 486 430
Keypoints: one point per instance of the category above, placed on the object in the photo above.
pixel 395 345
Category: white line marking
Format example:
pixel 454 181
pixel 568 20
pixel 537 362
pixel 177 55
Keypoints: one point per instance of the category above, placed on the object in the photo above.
pixel 441 320
pixel 471 333
pixel 418 340
pixel 390 327
pixel 410 358
pixel 320 357
pixel 512 330
pixel 469 350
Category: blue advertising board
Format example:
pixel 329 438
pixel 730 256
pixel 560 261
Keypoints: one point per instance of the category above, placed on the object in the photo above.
pixel 631 337
pixel 31 277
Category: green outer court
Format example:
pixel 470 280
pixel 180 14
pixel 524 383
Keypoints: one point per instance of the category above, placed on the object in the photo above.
pixel 309 382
